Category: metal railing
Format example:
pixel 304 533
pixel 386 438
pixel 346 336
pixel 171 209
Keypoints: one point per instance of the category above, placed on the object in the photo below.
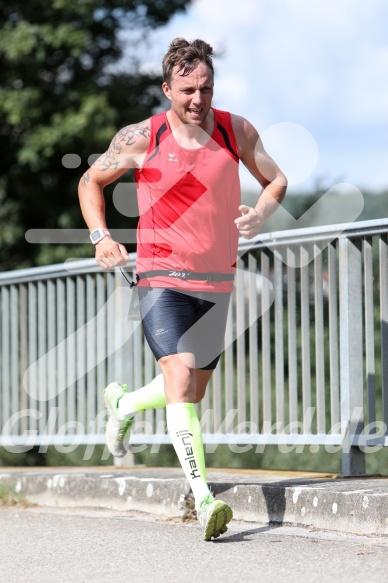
pixel 305 361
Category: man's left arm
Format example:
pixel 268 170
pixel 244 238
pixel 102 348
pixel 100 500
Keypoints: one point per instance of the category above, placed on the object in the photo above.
pixel 267 173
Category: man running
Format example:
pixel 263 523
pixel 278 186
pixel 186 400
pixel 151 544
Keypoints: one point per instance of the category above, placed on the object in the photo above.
pixel 185 162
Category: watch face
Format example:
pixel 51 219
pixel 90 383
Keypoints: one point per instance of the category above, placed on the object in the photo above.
pixel 95 235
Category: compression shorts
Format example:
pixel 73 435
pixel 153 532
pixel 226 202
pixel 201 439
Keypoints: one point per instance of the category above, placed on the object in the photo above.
pixel 176 322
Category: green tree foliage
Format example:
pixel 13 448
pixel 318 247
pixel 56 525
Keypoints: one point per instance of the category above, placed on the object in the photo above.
pixel 60 93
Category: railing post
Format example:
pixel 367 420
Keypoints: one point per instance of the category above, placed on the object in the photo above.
pixel 121 359
pixel 351 354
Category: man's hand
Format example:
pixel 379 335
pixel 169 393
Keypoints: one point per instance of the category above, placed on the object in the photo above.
pixel 249 223
pixel 111 254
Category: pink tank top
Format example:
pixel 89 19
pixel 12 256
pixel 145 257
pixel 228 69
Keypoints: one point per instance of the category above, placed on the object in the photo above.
pixel 188 201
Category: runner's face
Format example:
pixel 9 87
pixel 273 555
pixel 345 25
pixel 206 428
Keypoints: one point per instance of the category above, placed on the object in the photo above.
pixel 191 95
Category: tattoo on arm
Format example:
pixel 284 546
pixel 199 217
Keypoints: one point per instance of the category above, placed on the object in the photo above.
pixel 128 136
pixel 86 178
pixel 107 161
pixel 125 137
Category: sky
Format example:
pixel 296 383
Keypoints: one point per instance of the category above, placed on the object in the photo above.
pixel 310 75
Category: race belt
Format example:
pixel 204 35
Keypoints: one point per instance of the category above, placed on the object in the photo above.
pixel 209 277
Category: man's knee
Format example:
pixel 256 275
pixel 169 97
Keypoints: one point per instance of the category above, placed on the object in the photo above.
pixel 179 378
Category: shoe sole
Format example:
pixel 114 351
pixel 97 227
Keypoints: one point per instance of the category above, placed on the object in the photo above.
pixel 110 412
pixel 216 525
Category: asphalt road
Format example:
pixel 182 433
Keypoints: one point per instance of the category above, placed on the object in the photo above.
pixel 39 545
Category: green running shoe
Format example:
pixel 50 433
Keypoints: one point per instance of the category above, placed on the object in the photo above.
pixel 213 516
pixel 116 429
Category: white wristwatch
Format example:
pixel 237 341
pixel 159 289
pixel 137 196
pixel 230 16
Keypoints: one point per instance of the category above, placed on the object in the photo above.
pixel 98 235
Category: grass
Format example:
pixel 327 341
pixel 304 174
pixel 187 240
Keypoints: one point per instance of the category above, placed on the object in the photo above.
pixel 10 498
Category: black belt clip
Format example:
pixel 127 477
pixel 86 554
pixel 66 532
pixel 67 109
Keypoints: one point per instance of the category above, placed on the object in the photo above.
pixel 132 284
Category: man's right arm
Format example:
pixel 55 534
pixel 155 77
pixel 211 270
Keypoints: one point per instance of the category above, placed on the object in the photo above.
pixel 126 151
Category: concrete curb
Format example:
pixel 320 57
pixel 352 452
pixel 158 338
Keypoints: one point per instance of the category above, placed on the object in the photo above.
pixel 320 501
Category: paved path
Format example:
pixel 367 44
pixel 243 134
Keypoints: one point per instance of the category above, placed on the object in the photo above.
pixel 43 545
pixel 324 501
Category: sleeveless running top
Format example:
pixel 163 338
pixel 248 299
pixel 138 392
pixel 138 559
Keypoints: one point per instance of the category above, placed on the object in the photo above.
pixel 188 201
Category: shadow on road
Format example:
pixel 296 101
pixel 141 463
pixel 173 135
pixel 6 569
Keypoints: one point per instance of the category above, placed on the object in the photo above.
pixel 242 536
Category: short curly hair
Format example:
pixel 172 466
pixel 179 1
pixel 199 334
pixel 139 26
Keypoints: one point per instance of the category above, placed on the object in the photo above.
pixel 187 55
